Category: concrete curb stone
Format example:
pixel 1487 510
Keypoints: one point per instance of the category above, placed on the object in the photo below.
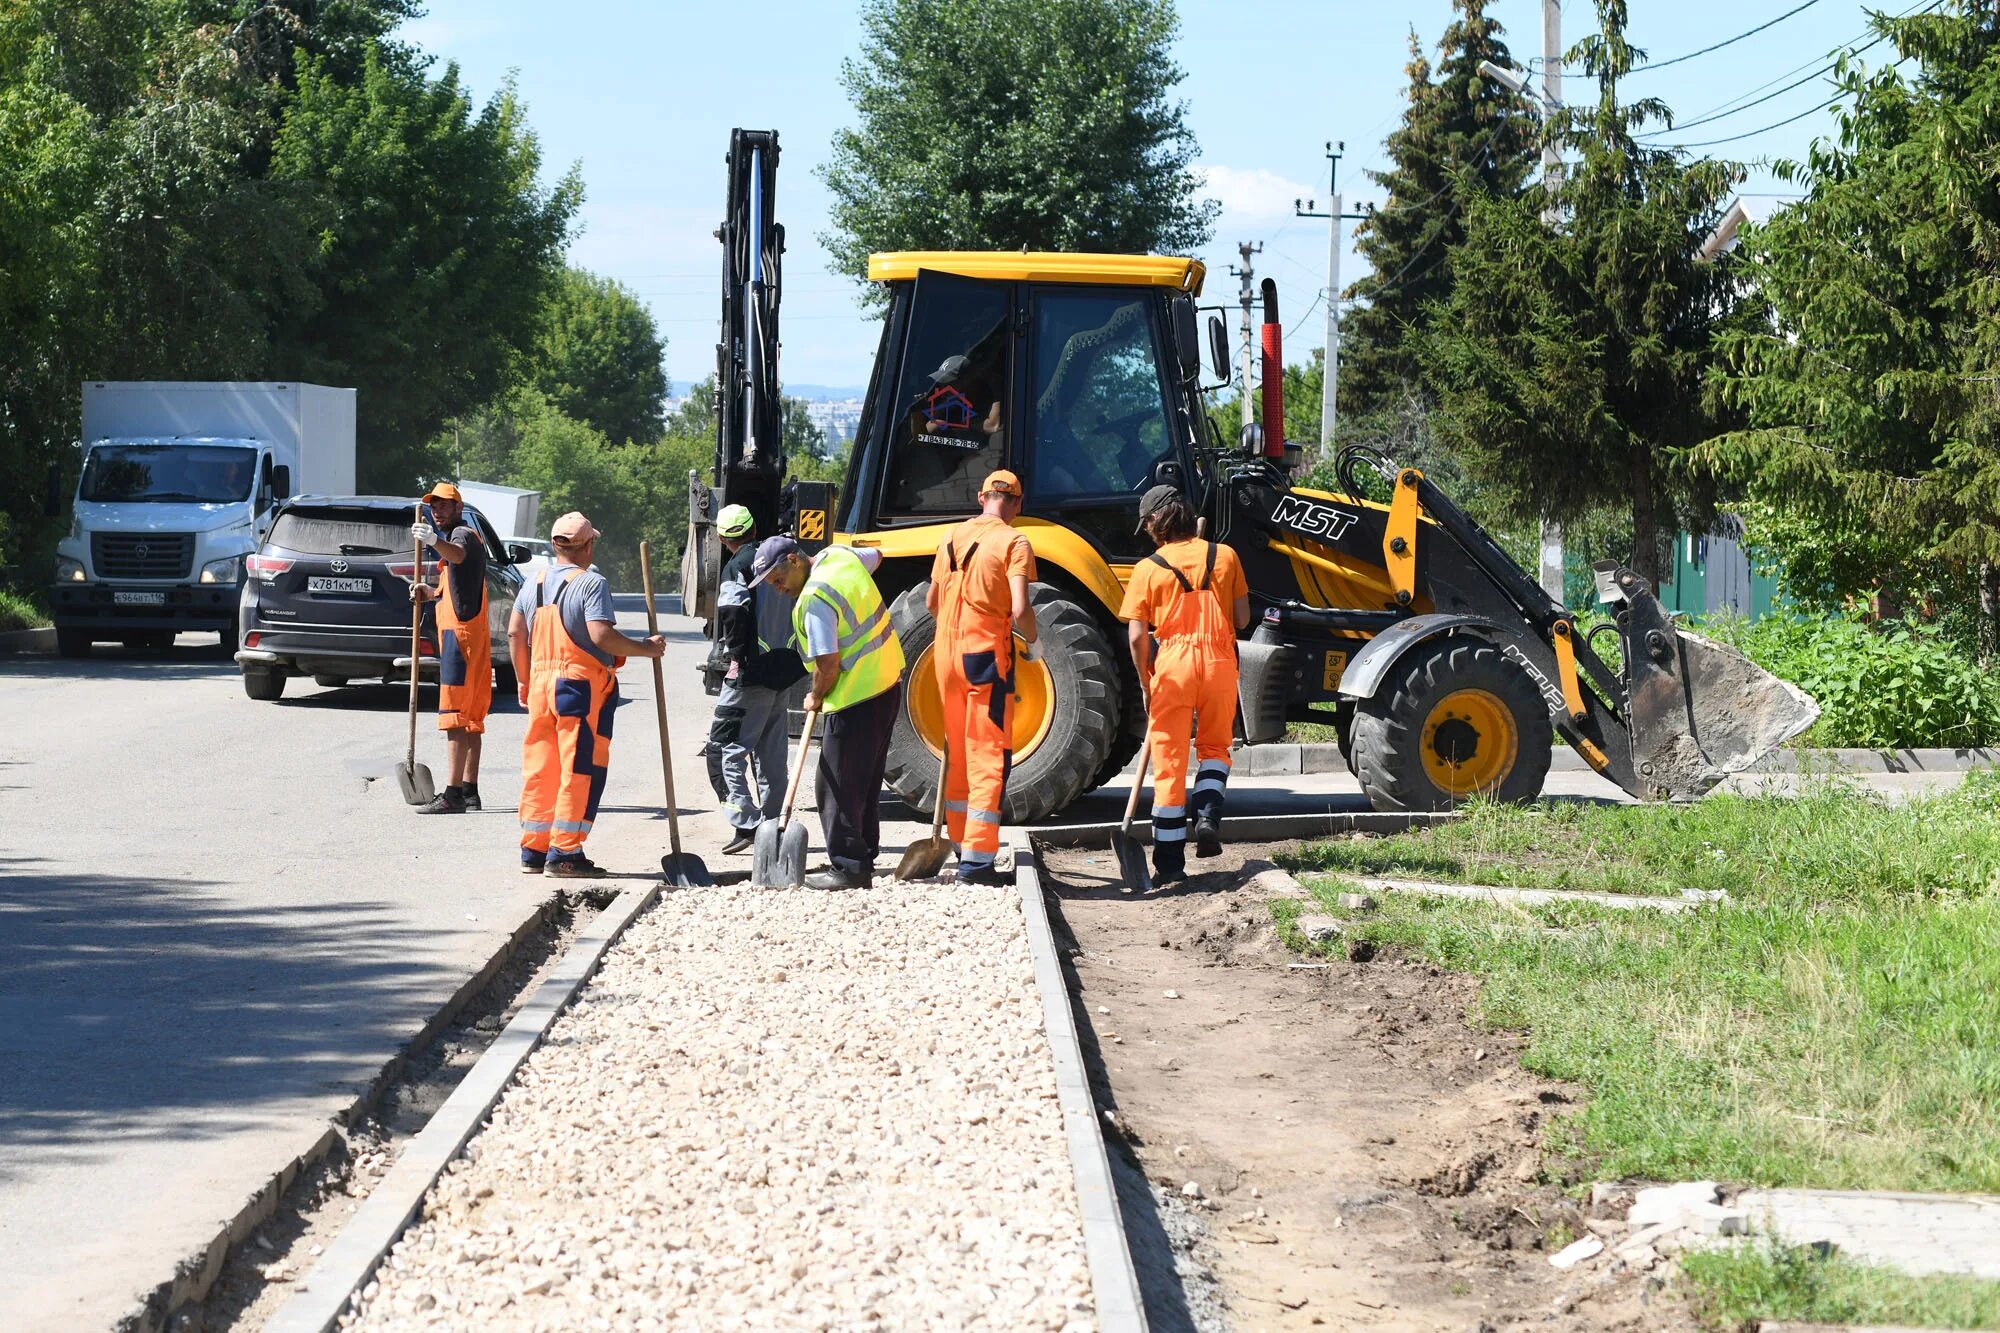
pixel 1284 759
pixel 41 640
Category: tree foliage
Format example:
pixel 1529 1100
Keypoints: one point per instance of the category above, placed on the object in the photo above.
pixel 1459 132
pixel 1570 361
pixel 600 358
pixel 1872 381
pixel 1009 124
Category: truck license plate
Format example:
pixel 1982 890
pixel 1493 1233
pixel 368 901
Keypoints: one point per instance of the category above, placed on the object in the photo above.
pixel 350 586
pixel 138 599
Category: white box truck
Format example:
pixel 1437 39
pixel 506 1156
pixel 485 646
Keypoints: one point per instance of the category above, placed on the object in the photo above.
pixel 515 512
pixel 178 485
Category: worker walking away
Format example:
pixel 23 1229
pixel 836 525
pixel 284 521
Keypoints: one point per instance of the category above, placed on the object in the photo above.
pixel 567 650
pixel 754 632
pixel 842 630
pixel 465 642
pixel 979 596
pixel 1189 596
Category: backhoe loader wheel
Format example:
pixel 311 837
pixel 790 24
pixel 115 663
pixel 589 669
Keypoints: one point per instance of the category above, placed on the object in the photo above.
pixel 1454 719
pixel 1065 716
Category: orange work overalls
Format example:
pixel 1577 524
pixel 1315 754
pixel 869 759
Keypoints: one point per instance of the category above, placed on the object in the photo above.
pixel 465 659
pixel 566 753
pixel 1194 684
pixel 975 676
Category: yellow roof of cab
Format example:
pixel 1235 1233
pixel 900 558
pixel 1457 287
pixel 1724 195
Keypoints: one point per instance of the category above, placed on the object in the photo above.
pixel 1032 266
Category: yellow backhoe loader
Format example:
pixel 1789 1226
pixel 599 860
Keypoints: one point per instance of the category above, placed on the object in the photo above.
pixel 1446 669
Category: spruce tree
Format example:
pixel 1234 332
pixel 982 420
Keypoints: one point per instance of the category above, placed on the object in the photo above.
pixel 1458 124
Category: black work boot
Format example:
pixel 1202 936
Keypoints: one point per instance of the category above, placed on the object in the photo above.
pixel 1208 833
pixel 740 841
pixel 1169 862
pixel 450 801
pixel 472 801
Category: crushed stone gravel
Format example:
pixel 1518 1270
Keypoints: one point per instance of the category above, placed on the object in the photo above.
pixel 777 1110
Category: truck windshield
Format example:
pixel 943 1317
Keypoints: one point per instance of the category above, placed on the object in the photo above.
pixel 163 473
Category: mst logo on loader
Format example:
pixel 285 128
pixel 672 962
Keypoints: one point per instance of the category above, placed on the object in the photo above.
pixel 1313 518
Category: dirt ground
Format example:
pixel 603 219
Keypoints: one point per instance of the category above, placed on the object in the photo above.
pixel 1365 1157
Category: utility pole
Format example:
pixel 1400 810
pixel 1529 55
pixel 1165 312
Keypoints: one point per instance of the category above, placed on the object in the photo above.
pixel 1331 370
pixel 1246 272
pixel 1552 533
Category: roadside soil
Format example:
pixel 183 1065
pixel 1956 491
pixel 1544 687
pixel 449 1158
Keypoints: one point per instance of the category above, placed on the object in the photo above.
pixel 1359 1153
pixel 260 1273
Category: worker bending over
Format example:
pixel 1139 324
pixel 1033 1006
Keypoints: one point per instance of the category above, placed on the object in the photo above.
pixel 754 631
pixel 566 648
pixel 979 596
pixel 842 628
pixel 1191 597
pixel 465 642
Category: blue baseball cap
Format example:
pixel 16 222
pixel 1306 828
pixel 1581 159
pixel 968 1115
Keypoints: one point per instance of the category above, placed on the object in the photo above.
pixel 771 552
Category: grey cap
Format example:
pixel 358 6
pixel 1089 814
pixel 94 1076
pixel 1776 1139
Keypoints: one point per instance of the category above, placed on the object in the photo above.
pixel 950 370
pixel 771 552
pixel 1153 501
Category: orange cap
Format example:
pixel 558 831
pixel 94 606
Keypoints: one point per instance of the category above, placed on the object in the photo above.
pixel 1002 482
pixel 444 490
pixel 573 529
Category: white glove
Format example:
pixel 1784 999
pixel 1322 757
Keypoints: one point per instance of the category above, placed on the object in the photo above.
pixel 1032 652
pixel 424 533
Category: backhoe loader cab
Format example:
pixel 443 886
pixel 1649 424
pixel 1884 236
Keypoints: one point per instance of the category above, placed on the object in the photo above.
pixel 1445 668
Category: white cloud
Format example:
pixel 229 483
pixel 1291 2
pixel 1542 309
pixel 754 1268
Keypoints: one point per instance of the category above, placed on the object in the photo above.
pixel 1253 192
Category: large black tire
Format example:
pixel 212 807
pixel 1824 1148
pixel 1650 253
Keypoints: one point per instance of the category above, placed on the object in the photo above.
pixel 1420 712
pixel 72 642
pixel 1131 733
pixel 1086 705
pixel 263 685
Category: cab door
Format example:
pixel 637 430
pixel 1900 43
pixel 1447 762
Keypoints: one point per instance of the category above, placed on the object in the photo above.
pixel 1098 411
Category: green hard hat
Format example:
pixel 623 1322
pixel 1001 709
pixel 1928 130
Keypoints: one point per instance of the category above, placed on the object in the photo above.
pixel 734 521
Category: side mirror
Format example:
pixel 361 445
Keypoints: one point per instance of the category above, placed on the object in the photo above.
pixel 281 482
pixel 1168 473
pixel 1218 347
pixel 1187 338
pixel 1252 439
pixel 518 554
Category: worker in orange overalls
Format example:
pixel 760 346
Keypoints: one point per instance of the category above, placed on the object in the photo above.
pixel 465 642
pixel 564 638
pixel 1189 596
pixel 979 596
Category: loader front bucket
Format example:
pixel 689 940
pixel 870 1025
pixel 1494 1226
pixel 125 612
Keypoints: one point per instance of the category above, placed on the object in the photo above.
pixel 1699 710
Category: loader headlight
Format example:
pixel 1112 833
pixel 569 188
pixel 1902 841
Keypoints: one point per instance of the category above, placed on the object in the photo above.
pixel 68 570
pixel 226 570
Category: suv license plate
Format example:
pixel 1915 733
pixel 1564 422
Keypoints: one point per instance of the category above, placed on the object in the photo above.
pixel 350 586
pixel 138 599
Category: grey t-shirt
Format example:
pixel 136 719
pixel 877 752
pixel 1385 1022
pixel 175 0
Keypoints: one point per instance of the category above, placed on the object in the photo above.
pixel 587 598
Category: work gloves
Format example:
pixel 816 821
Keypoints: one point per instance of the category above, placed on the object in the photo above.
pixel 424 533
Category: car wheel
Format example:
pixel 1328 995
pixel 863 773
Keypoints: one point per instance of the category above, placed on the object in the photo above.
pixel 264 685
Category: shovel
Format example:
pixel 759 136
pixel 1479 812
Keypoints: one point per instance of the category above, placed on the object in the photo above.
pixel 1131 856
pixel 684 870
pixel 925 858
pixel 778 857
pixel 413 777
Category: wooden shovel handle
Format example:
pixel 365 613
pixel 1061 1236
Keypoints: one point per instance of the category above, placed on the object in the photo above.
pixel 660 699
pixel 937 814
pixel 1132 799
pixel 416 633
pixel 799 763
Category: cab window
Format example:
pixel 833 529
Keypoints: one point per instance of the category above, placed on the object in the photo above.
pixel 949 427
pixel 1100 416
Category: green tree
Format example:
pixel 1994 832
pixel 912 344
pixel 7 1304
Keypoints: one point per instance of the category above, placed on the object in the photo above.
pixel 1459 132
pixel 1870 382
pixel 444 250
pixel 600 358
pixel 1570 362
pixel 1009 124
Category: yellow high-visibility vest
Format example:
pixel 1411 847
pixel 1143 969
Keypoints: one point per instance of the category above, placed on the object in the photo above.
pixel 871 656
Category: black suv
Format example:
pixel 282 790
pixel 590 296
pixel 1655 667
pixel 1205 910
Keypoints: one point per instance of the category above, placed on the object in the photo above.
pixel 328 596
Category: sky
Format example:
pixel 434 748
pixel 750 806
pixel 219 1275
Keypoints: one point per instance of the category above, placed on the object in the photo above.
pixel 642 96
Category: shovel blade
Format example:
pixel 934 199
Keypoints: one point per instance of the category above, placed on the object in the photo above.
pixel 921 860
pixel 415 780
pixel 791 866
pixel 685 870
pixel 1132 868
pixel 764 855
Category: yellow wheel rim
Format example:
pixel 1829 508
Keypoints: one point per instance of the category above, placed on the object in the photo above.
pixel 1470 743
pixel 1034 704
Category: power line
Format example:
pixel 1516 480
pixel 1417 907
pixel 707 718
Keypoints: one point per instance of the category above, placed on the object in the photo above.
pixel 1751 134
pixel 1662 64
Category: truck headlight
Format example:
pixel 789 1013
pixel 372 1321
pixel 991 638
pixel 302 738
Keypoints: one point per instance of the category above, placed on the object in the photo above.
pixel 226 570
pixel 68 570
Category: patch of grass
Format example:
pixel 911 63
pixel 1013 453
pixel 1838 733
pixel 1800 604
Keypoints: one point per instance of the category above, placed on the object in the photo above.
pixel 19 612
pixel 1736 1287
pixel 1834 1025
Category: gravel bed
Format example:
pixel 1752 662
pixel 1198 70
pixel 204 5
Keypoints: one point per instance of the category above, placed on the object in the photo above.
pixel 771 1110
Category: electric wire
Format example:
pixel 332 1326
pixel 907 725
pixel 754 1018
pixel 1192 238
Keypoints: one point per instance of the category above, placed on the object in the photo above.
pixel 1662 64
pixel 1751 134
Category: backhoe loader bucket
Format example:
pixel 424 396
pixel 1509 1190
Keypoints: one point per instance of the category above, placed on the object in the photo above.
pixel 1699 710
